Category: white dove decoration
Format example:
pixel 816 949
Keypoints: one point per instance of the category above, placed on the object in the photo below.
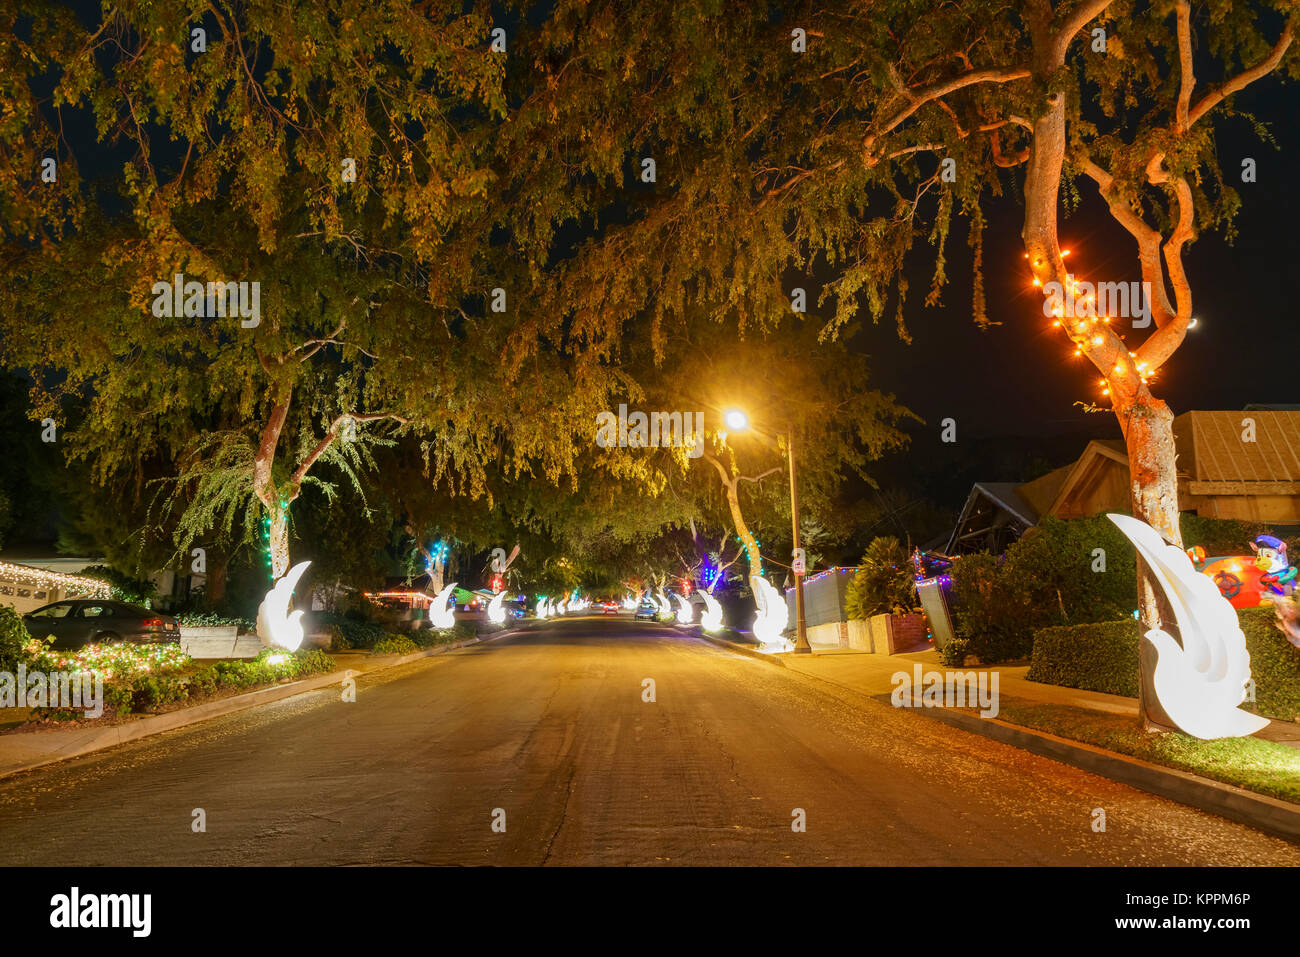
pixel 772 616
pixel 440 615
pixel 562 608
pixel 665 606
pixel 276 625
pixel 496 614
pixel 540 611
pixel 712 617
pixel 1200 683
pixel 685 614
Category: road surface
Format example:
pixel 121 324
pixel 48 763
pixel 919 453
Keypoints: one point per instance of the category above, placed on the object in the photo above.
pixel 547 734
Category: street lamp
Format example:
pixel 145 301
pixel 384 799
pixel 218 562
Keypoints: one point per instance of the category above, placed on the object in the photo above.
pixel 738 421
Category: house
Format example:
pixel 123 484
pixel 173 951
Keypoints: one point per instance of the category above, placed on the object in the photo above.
pixel 1238 465
pixel 28 581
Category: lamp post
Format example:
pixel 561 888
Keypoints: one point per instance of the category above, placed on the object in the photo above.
pixel 738 421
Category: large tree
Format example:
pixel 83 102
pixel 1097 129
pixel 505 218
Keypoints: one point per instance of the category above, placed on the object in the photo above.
pixel 814 149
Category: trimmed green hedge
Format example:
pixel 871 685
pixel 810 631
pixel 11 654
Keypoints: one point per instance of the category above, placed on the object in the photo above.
pixel 1095 657
pixel 1104 657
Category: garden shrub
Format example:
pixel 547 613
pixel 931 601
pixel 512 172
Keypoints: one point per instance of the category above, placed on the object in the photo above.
pixel 144 692
pixel 1095 657
pixel 883 582
pixel 347 631
pixel 13 638
pixel 1046 578
pixel 1104 657
pixel 395 645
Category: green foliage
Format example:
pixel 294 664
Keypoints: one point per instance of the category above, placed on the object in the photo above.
pixel 197 619
pixel 1104 657
pixel 395 645
pixel 13 639
pixel 346 631
pixel 1051 576
pixel 883 583
pixel 138 591
pixel 148 692
pixel 1096 657
pixel 1274 664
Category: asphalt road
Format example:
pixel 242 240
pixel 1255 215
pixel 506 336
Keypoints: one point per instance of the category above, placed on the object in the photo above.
pixel 551 728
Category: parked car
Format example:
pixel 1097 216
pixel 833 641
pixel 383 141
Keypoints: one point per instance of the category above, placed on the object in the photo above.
pixel 647 610
pixel 80 622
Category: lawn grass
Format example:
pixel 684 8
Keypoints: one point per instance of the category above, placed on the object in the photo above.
pixel 1264 767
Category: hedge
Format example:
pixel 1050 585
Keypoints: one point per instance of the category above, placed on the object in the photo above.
pixel 1104 657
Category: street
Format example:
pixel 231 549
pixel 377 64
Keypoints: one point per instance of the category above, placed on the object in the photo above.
pixel 550 727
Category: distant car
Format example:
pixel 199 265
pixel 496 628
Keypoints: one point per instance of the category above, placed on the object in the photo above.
pixel 609 607
pixel 79 622
pixel 647 610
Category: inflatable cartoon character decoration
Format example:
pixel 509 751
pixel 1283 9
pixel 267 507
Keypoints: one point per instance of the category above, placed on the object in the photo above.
pixel 1278 575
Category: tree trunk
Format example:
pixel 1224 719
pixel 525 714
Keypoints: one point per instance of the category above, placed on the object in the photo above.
pixel 279 540
pixel 1148 426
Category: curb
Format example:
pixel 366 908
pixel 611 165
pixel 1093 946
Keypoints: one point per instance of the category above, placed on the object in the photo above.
pixel 1271 815
pixel 1268 814
pixel 173 720
pixel 739 649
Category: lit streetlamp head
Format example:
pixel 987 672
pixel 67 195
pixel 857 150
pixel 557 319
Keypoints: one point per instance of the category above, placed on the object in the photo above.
pixel 736 420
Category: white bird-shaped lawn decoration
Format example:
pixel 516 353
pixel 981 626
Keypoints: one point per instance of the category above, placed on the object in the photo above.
pixel 1201 682
pixel 712 617
pixel 685 613
pixel 772 616
pixel 496 614
pixel 629 603
pixel 665 606
pixel 441 615
pixel 540 611
pixel 562 607
pixel 276 625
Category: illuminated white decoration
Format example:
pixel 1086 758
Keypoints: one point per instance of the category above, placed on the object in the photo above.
pixel 496 614
pixel 685 613
pixel 550 609
pixel 665 606
pixel 772 616
pixel 1200 683
pixel 442 614
pixel 541 608
pixel 629 603
pixel 712 617
pixel 562 608
pixel 276 625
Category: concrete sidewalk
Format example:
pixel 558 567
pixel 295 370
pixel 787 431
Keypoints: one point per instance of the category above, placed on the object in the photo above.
pixel 872 674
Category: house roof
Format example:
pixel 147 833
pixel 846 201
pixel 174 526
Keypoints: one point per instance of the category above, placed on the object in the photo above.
pixel 1213 446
